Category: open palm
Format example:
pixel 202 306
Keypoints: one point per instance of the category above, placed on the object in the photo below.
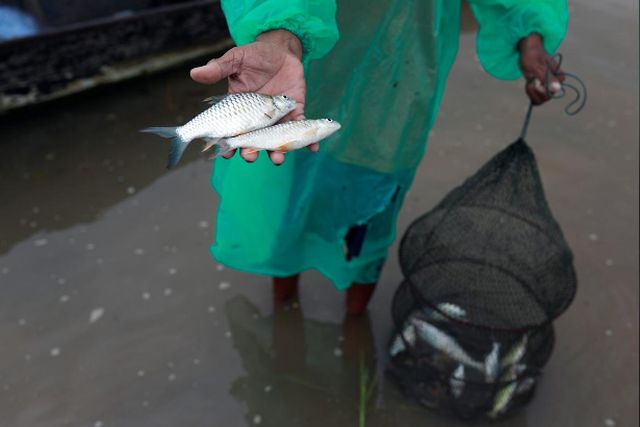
pixel 271 65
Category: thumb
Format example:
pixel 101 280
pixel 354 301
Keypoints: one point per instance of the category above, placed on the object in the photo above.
pixel 217 69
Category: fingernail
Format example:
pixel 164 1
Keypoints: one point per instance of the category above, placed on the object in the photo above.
pixel 556 87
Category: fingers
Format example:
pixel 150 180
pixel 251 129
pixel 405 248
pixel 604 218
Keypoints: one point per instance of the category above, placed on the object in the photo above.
pixel 276 157
pixel 315 147
pixel 218 69
pixel 248 155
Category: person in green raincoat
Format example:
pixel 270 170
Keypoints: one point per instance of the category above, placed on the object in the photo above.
pixel 379 68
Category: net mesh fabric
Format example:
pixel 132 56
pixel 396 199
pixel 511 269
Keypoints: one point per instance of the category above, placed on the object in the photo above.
pixel 490 269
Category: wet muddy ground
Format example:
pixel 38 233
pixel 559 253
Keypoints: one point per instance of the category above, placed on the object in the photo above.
pixel 112 312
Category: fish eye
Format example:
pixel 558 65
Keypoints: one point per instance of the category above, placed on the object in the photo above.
pixel 285 97
pixel 329 120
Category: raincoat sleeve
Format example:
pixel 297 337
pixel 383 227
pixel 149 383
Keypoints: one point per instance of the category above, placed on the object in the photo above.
pixel 312 21
pixel 504 22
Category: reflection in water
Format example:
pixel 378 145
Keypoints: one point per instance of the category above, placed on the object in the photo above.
pixel 299 370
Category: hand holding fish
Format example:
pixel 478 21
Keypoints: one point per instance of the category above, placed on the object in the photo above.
pixel 534 61
pixel 271 65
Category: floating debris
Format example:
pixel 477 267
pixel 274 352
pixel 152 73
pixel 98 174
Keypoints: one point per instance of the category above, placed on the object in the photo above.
pixel 55 352
pixel 224 285
pixel 219 267
pixel 61 281
pixel 196 361
pixel 609 422
pixel 131 190
pixel 268 388
pixel 146 295
pixel 96 314
pixel 139 251
pixel 140 373
pixel 203 224
pixel 5 270
pixel 99 260
pixel 173 271
pixel 257 419
pixel 227 334
pixel 22 322
pixel 168 292
pixel 64 298
pixel 172 377
pixel 608 332
pixel 98 424
pixel 90 246
pixel 211 309
pixel 27 357
pixel 593 237
pixel 337 352
pixel 40 242
pixel 608 262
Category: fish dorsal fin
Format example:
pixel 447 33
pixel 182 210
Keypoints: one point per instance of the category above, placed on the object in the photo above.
pixel 214 99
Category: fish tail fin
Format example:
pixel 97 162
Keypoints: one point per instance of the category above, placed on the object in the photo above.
pixel 223 148
pixel 178 145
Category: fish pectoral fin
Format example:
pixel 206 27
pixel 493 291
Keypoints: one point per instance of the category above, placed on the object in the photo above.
pixel 286 147
pixel 214 99
pixel 210 143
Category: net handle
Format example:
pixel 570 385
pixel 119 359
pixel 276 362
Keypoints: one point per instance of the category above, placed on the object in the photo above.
pixel 571 82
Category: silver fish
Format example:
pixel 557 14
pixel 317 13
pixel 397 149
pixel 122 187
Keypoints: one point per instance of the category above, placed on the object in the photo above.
pixel 525 385
pixel 449 309
pixel 516 353
pixel 504 396
pixel 282 137
pixel 457 381
pixel 445 343
pixel 491 364
pixel 233 115
pixel 502 400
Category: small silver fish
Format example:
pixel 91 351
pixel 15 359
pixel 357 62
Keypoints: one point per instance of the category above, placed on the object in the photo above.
pixel 525 385
pixel 283 137
pixel 457 381
pixel 443 342
pixel 491 365
pixel 502 400
pixel 449 309
pixel 398 345
pixel 233 115
pixel 516 353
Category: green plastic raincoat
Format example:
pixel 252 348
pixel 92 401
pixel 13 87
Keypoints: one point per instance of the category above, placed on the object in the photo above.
pixel 383 81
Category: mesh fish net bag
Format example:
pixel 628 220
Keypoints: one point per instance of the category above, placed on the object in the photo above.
pixel 486 272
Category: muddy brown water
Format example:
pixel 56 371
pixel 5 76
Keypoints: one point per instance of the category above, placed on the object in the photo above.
pixel 112 313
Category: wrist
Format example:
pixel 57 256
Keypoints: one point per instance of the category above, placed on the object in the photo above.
pixel 532 41
pixel 283 38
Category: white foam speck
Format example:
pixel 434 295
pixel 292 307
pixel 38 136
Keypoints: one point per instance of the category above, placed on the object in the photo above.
pixel 36 210
pixel 98 424
pixel 40 242
pixel 196 361
pixel 608 332
pixel 22 322
pixel 64 298
pixel 5 270
pixel 227 334
pixel 337 352
pixel 219 267
pixel 99 260
pixel 173 271
pixel 609 422
pixel 139 251
pixel 27 357
pixel 131 190
pixel 61 281
pixel 141 373
pixel 156 228
pixel 145 403
pixel 224 285
pixel 608 262
pixel 90 246
pixel 203 224
pixel 96 314
pixel 267 388
pixel 55 352
pixel 33 224
pixel 211 309
pixel 593 237
pixel 146 295
pixel 257 419
pixel 168 291
pixel 172 377
pixel 340 338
